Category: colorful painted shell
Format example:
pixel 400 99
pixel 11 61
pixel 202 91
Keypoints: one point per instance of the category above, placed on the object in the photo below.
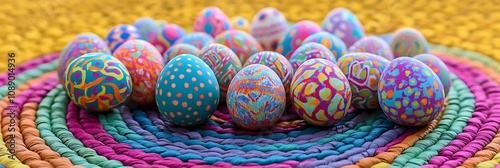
pixel 408 42
pixel 308 51
pixel 121 33
pixel 147 27
pixel 438 66
pixel 242 43
pixel 268 26
pixel 344 24
pixel 166 36
pixel 212 21
pixel 277 62
pixel 179 49
pixel 374 45
pixel 330 41
pixel 197 39
pixel 295 36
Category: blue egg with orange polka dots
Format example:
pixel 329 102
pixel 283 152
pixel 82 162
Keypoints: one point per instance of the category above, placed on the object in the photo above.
pixel 187 91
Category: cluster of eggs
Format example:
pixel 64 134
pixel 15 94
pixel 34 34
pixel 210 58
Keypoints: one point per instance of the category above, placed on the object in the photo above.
pixel 258 69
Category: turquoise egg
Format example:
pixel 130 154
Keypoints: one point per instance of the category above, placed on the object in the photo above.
pixel 187 91
pixel 330 41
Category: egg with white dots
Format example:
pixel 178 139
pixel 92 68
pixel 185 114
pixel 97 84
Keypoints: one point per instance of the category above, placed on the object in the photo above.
pixel 187 91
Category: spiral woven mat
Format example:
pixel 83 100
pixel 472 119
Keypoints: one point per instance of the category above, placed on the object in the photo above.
pixel 49 131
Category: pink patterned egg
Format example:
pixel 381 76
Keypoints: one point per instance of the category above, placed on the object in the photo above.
pixel 144 64
pixel 268 27
pixel 166 36
pixel 295 36
pixel 212 21
pixel 320 92
pixel 309 51
pixel 242 43
pixel 344 24
pixel 374 45
pixel 408 42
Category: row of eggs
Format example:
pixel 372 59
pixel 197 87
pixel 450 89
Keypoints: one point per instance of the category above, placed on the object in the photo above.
pixel 321 94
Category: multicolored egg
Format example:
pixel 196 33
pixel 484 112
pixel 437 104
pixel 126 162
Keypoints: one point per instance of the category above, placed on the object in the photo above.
pixel 374 45
pixel 408 42
pixel 166 36
pixel 179 49
pixel 344 24
pixel 410 93
pixel 147 27
pixel 97 82
pixel 197 39
pixel 277 62
pixel 439 67
pixel 330 41
pixel 295 37
pixel 212 21
pixel 144 63
pixel 320 92
pixel 223 62
pixel 240 23
pixel 268 27
pixel 187 92
pixel 82 44
pixel 121 33
pixel 242 43
pixel 363 70
pixel 256 98
pixel 309 51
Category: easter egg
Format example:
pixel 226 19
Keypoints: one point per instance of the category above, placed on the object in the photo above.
pixel 320 92
pixel 82 44
pixel 295 36
pixel 374 45
pixel 147 27
pixel 223 62
pixel 256 97
pixel 121 33
pixel 97 82
pixel 439 67
pixel 242 43
pixel 309 51
pixel 330 41
pixel 268 26
pixel 240 23
pixel 197 39
pixel 179 49
pixel 363 70
pixel 166 36
pixel 212 21
pixel 143 63
pixel 187 92
pixel 344 24
pixel 277 62
pixel 408 42
pixel 410 93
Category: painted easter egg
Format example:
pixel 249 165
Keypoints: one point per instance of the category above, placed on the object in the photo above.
pixel 121 33
pixel 82 44
pixel 308 51
pixel 330 41
pixel 166 36
pixel 242 43
pixel 187 92
pixel 268 26
pixel 408 42
pixel 320 92
pixel 179 49
pixel 344 24
pixel 147 27
pixel 212 21
pixel 256 97
pixel 224 63
pixel 295 37
pixel 363 70
pixel 410 93
pixel 277 62
pixel 144 63
pixel 197 39
pixel 240 23
pixel 374 45
pixel 439 67
pixel 97 82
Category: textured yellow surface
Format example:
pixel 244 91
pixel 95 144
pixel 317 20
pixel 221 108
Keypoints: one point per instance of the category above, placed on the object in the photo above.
pixel 35 27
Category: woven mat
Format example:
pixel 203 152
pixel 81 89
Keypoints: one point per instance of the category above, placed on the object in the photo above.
pixel 49 131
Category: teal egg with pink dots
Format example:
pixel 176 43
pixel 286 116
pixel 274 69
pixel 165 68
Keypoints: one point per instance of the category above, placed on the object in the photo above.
pixel 309 51
pixel 439 67
pixel 330 41
pixel 295 36
pixel 410 93
pixel 82 44
pixel 97 82
pixel 120 34
pixel 187 91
